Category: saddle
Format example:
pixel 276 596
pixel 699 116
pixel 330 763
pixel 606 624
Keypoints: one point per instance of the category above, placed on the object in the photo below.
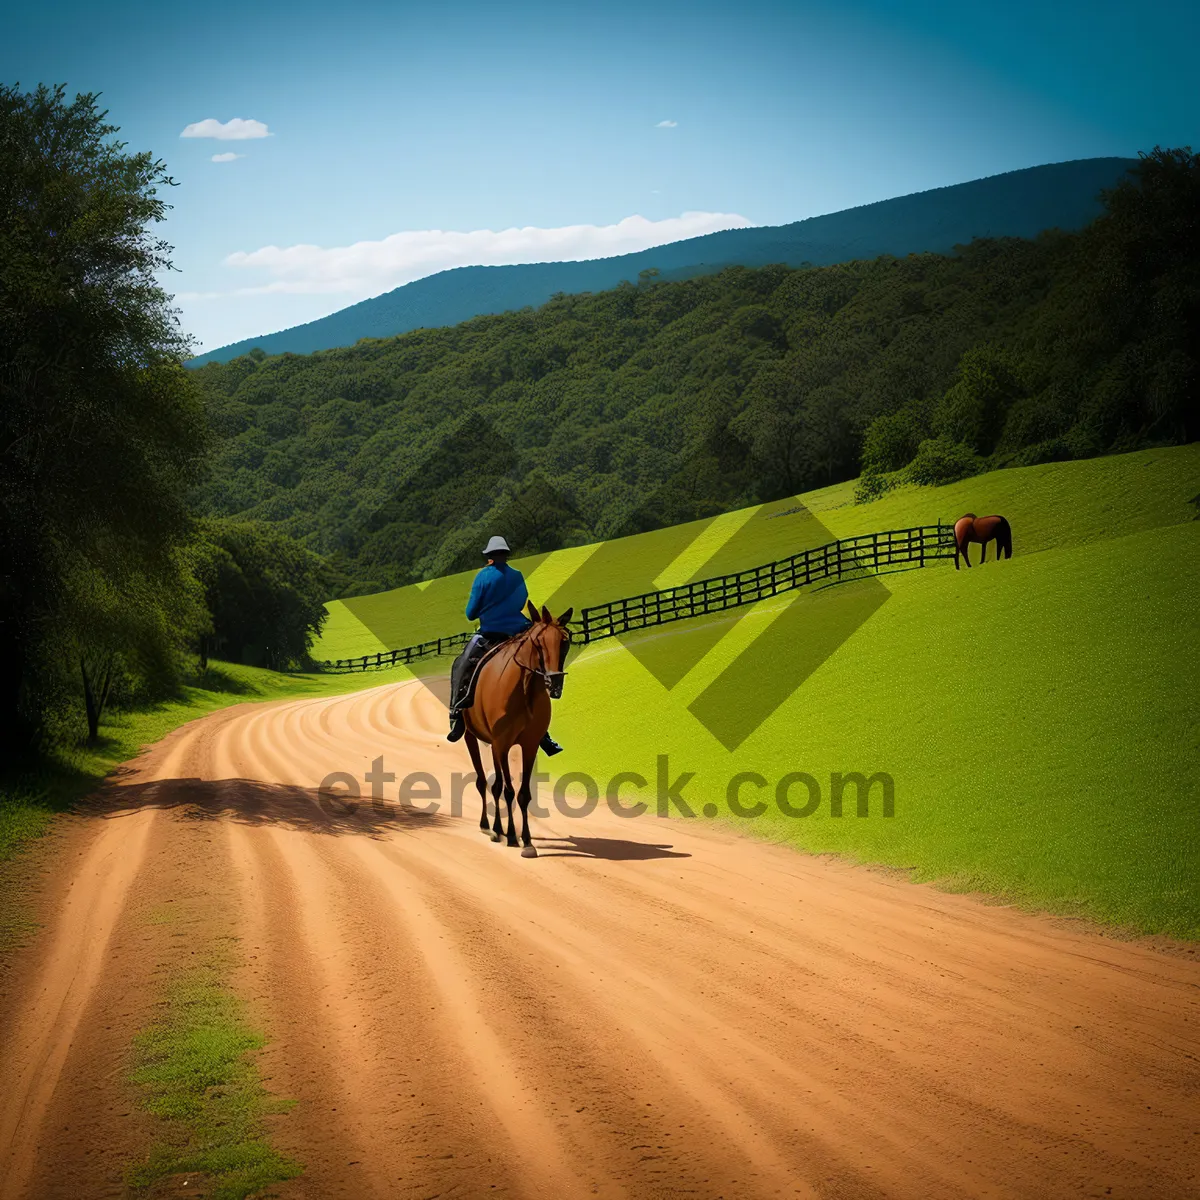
pixel 467 697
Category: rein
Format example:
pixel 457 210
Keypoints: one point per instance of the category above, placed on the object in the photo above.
pixel 548 677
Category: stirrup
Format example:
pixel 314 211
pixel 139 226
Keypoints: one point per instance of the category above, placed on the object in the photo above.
pixel 549 745
pixel 457 726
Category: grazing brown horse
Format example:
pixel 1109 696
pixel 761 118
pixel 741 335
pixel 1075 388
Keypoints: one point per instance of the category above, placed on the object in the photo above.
pixel 511 707
pixel 971 528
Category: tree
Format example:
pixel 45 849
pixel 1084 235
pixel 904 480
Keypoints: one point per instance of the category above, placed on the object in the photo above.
pixel 101 430
pixel 130 634
pixel 891 441
pixel 265 591
pixel 974 408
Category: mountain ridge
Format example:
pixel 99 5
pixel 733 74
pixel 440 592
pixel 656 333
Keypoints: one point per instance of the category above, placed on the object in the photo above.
pixel 1019 203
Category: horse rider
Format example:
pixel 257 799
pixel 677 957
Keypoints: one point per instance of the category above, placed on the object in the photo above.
pixel 497 601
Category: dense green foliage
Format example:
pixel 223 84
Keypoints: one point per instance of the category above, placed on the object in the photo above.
pixel 266 594
pixel 644 406
pixel 1104 362
pixel 101 430
pixel 107 586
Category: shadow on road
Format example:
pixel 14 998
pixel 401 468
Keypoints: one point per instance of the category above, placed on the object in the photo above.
pixel 253 802
pixel 612 849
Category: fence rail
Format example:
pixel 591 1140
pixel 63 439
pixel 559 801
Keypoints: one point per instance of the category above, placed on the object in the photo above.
pixel 868 552
pixel 407 654
pixel 834 560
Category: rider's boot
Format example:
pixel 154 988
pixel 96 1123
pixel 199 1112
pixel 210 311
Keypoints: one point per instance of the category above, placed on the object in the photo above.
pixel 549 745
pixel 457 726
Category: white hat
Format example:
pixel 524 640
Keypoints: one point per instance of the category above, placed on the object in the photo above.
pixel 496 543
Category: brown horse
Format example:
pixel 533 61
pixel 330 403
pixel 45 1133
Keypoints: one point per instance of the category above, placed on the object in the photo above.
pixel 970 528
pixel 511 707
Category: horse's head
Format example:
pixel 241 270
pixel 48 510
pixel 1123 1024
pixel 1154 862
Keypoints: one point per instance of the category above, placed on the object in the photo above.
pixel 550 639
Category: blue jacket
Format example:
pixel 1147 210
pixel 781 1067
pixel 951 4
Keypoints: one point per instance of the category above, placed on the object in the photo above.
pixel 497 597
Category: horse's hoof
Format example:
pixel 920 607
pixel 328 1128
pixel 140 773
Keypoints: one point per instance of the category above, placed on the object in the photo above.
pixel 529 852
pixel 496 837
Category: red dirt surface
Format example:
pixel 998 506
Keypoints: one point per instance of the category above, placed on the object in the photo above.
pixel 650 1008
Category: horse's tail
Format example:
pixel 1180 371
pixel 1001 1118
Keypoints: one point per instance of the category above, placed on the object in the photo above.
pixel 1004 538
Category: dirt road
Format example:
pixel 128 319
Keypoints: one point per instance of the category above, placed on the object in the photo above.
pixel 649 1008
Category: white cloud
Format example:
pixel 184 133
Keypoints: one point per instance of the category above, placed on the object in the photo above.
pixel 235 130
pixel 228 156
pixel 667 125
pixel 368 268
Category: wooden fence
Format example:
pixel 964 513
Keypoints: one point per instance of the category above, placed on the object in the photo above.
pixel 834 560
pixel 407 654
pixel 870 552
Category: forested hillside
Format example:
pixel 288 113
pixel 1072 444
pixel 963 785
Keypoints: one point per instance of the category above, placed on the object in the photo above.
pixel 652 404
pixel 1015 204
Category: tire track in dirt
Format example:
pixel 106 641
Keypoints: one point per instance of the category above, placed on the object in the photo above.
pixel 651 1008
pixel 359 1007
pixel 72 960
pixel 37 1048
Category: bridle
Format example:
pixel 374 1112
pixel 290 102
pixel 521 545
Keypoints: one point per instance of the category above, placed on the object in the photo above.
pixel 552 679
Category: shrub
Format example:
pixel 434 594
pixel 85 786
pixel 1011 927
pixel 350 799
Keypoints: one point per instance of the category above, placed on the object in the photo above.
pixel 940 460
pixel 1051 450
pixel 873 484
pixel 891 441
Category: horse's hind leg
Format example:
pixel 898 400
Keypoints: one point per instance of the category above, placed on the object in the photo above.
pixel 528 759
pixel 497 788
pixel 480 778
pixel 509 793
pixel 983 556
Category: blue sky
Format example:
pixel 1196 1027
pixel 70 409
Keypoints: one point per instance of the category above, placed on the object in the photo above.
pixel 404 119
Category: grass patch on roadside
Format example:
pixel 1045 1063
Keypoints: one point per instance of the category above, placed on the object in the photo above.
pixel 196 1074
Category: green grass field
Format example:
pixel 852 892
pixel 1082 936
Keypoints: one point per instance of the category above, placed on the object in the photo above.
pixel 1050 506
pixel 1038 716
